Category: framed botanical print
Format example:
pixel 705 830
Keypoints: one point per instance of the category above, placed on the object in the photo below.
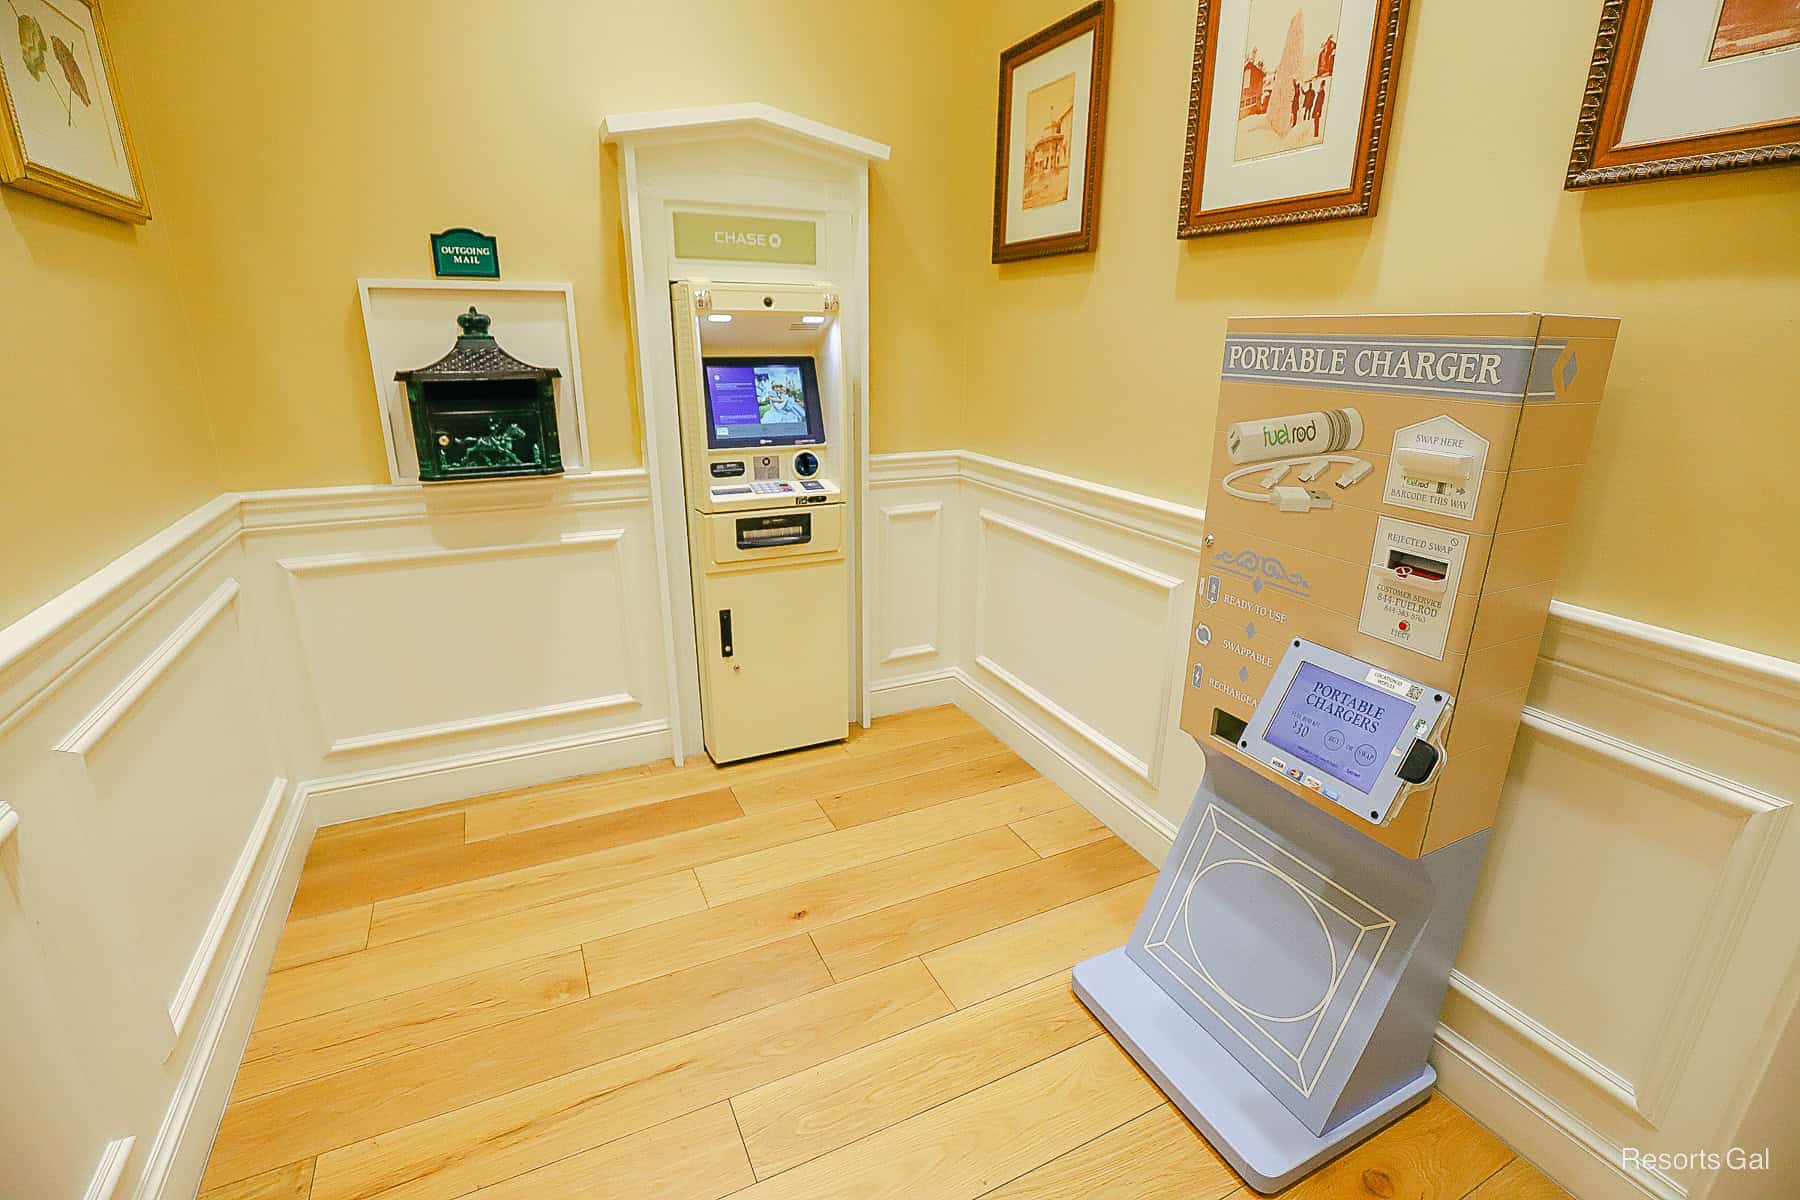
pixel 1288 111
pixel 1683 87
pixel 1051 129
pixel 62 131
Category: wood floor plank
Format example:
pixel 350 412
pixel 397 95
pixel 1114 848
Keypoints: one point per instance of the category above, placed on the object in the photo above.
pixel 310 939
pixel 970 1145
pixel 943 918
pixel 637 954
pixel 1435 1152
pixel 435 957
pixel 344 884
pixel 458 903
pixel 695 1157
pixel 522 1130
pixel 572 800
pixel 1518 1180
pixel 527 995
pixel 779 866
pixel 862 770
pixel 365 1102
pixel 1002 959
pixel 872 802
pixel 291 1182
pixel 1064 829
pixel 538 808
pixel 1158 1156
pixel 349 1037
pixel 381 837
pixel 910 729
pixel 787 1122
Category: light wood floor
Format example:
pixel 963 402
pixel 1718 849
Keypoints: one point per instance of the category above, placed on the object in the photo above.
pixel 842 972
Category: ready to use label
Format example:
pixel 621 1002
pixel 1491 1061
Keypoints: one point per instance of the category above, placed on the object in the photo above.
pixel 1411 593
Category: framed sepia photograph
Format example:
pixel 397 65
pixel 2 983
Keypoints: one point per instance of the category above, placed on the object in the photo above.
pixel 1048 147
pixel 1287 114
pixel 1685 87
pixel 63 132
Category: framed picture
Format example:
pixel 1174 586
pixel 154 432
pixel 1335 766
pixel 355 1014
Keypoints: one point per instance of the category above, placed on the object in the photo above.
pixel 1048 148
pixel 1287 116
pixel 1683 87
pixel 64 134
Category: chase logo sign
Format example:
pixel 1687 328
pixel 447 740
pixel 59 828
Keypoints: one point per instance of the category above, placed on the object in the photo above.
pixel 725 237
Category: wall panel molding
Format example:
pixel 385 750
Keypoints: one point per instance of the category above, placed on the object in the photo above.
pixel 505 609
pixel 915 584
pixel 1712 732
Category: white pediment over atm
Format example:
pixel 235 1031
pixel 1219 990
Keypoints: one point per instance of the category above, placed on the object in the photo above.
pixel 721 118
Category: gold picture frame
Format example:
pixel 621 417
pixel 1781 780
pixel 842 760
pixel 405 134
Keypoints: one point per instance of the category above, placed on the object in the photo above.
pixel 62 109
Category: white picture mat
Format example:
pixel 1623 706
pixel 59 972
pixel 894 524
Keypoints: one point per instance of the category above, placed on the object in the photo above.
pixel 1326 167
pixel 411 323
pixel 91 147
pixel 1678 93
pixel 1075 56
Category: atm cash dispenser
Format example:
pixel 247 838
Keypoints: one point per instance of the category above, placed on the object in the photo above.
pixel 1387 508
pixel 760 381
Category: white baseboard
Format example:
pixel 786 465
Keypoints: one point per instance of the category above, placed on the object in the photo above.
pixel 1585 1162
pixel 177 1155
pixel 1143 829
pixel 352 797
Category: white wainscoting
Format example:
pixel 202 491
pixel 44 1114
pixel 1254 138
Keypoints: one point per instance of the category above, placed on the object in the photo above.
pixel 174 728
pixel 1628 962
pixel 383 648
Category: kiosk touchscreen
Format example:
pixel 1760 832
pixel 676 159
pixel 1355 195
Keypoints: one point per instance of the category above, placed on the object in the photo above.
pixel 762 402
pixel 1388 500
pixel 759 377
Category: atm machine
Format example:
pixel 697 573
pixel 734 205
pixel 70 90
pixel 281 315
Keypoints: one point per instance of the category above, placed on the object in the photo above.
pixel 1386 512
pixel 760 384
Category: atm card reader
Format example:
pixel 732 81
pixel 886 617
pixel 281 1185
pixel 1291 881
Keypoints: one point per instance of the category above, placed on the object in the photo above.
pixel 1359 735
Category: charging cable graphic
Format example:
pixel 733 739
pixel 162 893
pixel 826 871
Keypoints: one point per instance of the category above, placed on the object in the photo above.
pixel 1287 497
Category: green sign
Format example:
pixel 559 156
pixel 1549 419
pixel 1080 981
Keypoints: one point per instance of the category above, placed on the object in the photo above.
pixel 464 253
pixel 746 239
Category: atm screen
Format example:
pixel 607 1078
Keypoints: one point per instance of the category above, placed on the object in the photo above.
pixel 1345 728
pixel 762 402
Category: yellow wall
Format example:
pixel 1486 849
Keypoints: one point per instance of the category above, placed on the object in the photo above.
pixel 306 145
pixel 292 149
pixel 1105 366
pixel 103 430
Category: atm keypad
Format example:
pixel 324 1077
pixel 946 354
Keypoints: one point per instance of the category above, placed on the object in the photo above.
pixel 772 488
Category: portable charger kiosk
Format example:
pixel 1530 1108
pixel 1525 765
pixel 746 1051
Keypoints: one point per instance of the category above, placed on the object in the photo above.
pixel 760 384
pixel 1387 509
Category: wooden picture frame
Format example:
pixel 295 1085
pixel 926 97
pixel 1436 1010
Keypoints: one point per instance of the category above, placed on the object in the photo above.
pixel 1605 153
pixel 1244 184
pixel 1047 190
pixel 63 132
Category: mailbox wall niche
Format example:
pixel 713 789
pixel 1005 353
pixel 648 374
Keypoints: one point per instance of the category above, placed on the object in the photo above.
pixel 480 413
pixel 412 323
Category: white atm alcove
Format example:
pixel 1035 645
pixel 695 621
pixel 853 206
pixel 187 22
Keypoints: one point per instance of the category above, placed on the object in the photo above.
pixel 735 194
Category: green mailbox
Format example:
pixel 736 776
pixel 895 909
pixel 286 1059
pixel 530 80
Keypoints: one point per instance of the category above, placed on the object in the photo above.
pixel 480 413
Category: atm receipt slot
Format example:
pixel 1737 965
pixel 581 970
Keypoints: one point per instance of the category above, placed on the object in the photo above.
pixel 1358 734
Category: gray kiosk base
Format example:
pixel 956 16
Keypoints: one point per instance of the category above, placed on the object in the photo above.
pixel 1261 1139
pixel 1283 984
